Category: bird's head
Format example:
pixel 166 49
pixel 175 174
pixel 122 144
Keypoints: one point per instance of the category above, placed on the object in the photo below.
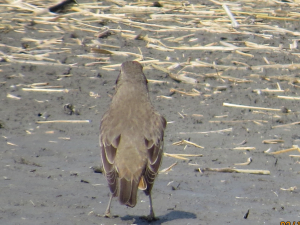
pixel 131 71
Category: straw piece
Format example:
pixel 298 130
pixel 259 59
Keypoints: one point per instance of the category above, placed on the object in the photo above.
pixel 175 156
pixel 244 148
pixel 288 97
pixel 64 121
pixel 64 138
pixel 209 132
pixel 230 170
pixel 13 96
pixel 289 189
pixel 244 54
pixel 294 148
pixel 249 107
pixel 249 160
pixel 158 81
pixel 10 143
pixel 258 91
pixel 39 84
pixel 168 168
pixel 286 125
pixel 183 78
pixel 164 97
pixel 272 141
pixel 233 21
pixel 238 121
pixel 45 90
pixel 185 142
pixel 194 92
pixel 182 156
pixel 295 156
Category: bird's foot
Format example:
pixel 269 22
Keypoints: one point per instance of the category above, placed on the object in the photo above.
pixel 109 215
pixel 150 218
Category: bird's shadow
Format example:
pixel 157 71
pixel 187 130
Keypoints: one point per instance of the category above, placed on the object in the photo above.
pixel 172 215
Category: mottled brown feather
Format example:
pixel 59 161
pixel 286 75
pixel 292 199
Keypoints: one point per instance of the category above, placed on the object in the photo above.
pixel 131 137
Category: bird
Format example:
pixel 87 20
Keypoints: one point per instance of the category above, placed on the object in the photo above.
pixel 131 139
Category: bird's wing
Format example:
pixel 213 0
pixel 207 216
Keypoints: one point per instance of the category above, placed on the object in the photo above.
pixel 154 141
pixel 109 142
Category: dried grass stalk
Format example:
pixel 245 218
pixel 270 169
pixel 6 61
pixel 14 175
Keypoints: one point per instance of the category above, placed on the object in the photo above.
pixel 272 141
pixel 168 168
pixel 287 125
pixel 294 148
pixel 230 170
pixel 64 121
pixel 194 92
pixel 185 142
pixel 249 160
pixel 288 97
pixel 249 107
pixel 244 148
pixel 45 90
pixel 209 132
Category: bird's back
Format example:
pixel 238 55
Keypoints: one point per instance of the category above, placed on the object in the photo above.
pixel 131 138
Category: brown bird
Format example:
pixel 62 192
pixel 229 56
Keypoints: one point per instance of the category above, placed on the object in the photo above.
pixel 131 139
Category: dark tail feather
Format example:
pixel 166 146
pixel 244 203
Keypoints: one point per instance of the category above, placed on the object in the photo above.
pixel 128 192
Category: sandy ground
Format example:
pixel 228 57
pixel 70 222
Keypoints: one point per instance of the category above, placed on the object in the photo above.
pixel 46 174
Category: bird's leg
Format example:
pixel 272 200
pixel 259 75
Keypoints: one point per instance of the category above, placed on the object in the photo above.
pixel 107 211
pixel 151 216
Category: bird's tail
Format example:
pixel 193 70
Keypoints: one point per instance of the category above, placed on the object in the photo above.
pixel 128 192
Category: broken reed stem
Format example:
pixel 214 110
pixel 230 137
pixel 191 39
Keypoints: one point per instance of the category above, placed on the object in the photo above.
pixel 168 168
pixel 286 125
pixel 231 17
pixel 208 132
pixel 272 141
pixel 238 121
pixel 185 142
pixel 182 156
pixel 249 160
pixel 294 148
pixel 64 121
pixel 194 92
pixel 244 148
pixel 250 107
pixel 229 170
pixel 288 97
pixel 45 90
pixel 258 91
